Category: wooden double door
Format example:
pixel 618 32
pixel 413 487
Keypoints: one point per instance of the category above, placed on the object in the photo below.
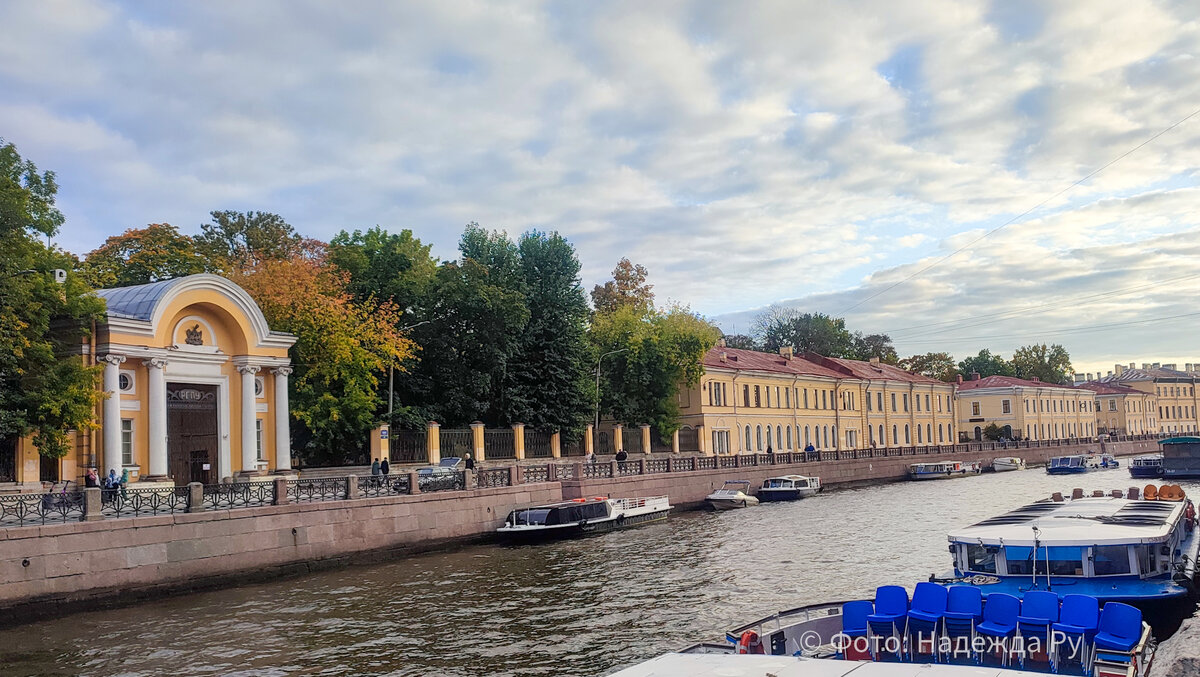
pixel 192 433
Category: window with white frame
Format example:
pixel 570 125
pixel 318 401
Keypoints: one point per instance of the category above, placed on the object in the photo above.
pixel 126 441
pixel 258 438
pixel 974 408
pixel 126 384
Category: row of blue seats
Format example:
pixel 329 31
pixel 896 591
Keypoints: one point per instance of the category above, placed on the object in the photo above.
pixel 959 611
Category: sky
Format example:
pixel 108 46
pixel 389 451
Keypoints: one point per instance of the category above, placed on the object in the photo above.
pixel 909 166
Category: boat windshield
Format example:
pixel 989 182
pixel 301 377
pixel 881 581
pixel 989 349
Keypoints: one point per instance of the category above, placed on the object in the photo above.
pixel 981 559
pixel 1063 560
pixel 1066 462
pixel 532 516
pixel 778 484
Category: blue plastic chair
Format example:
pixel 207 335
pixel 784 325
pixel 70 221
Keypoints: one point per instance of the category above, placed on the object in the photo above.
pixel 1079 619
pixel 1000 619
pixel 1120 627
pixel 891 612
pixel 925 614
pixel 854 619
pixel 964 608
pixel 1039 610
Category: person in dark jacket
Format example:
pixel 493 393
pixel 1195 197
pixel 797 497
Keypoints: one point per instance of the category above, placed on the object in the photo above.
pixel 621 458
pixel 468 462
pixel 383 467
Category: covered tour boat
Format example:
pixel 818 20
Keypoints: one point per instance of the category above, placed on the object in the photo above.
pixel 942 470
pixel 1146 466
pixel 1007 463
pixel 732 494
pixel 789 488
pixel 1135 547
pixel 582 516
pixel 938 632
pixel 1068 465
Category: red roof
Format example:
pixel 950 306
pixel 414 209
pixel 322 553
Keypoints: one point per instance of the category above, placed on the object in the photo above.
pixel 808 364
pixel 1007 382
pixel 1109 388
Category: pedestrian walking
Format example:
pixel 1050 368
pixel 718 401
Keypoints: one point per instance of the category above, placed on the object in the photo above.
pixel 383 467
pixel 468 461
pixel 375 469
pixel 621 458
pixel 590 457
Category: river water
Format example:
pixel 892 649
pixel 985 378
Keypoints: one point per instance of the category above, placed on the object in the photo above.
pixel 581 607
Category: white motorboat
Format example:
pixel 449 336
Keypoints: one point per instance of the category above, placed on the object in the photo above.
pixel 942 470
pixel 1007 463
pixel 789 488
pixel 583 516
pixel 732 494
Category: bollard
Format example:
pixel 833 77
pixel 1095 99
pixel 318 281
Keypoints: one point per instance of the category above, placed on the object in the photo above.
pixel 514 475
pixel 414 487
pixel 91 504
pixel 195 497
pixel 351 487
pixel 281 494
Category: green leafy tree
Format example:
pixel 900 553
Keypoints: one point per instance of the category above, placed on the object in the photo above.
pixel 386 266
pixel 240 240
pixel 140 255
pixel 742 342
pixel 934 365
pixel 993 432
pixel 986 364
pixel 1051 364
pixel 805 332
pixel 46 388
pixel 867 346
pixel 627 288
pixel 547 383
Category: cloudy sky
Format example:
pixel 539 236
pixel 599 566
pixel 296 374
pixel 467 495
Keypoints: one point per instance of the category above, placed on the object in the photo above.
pixel 807 153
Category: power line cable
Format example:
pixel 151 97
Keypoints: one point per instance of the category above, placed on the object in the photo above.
pixel 1022 215
pixel 1068 330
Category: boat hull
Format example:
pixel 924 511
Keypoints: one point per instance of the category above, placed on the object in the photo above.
pixel 582 528
pixel 1145 471
pixel 1006 466
pixel 1073 470
pixel 770 495
pixel 731 503
pixel 954 474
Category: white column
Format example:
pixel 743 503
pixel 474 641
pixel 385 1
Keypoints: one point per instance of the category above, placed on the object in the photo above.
pixel 283 431
pixel 156 399
pixel 249 452
pixel 112 413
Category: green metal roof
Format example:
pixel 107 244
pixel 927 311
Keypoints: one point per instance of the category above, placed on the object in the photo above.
pixel 1181 440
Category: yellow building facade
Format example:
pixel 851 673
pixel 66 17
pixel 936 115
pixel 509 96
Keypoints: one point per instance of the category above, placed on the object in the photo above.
pixel 195 387
pixel 1025 409
pixel 1174 392
pixel 749 401
pixel 1121 410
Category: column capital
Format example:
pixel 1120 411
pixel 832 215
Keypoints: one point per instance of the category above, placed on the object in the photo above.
pixel 248 369
pixel 155 362
pixel 282 371
pixel 113 359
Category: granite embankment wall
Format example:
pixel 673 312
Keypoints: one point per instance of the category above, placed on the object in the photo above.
pixel 689 489
pixel 54 568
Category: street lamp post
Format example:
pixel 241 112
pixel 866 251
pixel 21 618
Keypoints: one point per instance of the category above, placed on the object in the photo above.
pixel 596 428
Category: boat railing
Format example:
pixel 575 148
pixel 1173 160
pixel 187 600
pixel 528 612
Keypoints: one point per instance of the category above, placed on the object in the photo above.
pixel 644 502
pixel 782 619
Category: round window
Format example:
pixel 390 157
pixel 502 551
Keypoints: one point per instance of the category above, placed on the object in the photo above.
pixel 124 382
pixel 258 387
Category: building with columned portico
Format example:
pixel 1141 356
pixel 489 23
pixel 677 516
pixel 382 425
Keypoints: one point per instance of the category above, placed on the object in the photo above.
pixel 196 389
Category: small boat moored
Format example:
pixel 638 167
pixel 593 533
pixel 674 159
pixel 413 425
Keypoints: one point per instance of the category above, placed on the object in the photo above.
pixel 1146 466
pixel 789 488
pixel 1007 463
pixel 942 470
pixel 583 516
pixel 1067 465
pixel 732 494
pixel 1102 461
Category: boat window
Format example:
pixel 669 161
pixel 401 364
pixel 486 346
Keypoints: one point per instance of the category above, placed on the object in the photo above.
pixel 537 516
pixel 1064 561
pixel 1020 560
pixel 981 559
pixel 594 510
pixel 1110 560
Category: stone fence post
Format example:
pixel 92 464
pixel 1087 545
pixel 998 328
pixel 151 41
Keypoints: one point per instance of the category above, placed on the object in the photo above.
pixel 414 487
pixel 477 440
pixel 91 504
pixel 433 442
pixel 196 496
pixel 645 439
pixel 556 444
pixel 281 494
pixel 514 475
pixel 351 487
pixel 519 441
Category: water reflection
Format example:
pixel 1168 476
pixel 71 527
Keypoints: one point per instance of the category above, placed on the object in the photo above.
pixel 583 607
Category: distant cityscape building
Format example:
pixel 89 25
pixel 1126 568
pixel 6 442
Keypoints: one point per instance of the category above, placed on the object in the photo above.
pixel 1024 409
pixel 1174 391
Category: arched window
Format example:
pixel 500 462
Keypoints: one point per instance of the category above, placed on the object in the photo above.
pixel 748 447
pixel 807 437
pixel 779 437
pixel 758 436
pixel 837 443
pixel 871 434
pixel 895 437
pixel 941 437
pixel 768 433
pixel 978 434
pixel 919 440
pixel 789 437
pixel 929 432
pixel 882 437
pixel 907 435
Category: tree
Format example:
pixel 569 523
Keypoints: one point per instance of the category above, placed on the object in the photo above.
pixel 986 364
pixel 46 388
pixel 662 351
pixel 388 266
pixel 805 332
pixel 342 348
pixel 865 347
pixel 1051 364
pixel 993 432
pixel 627 288
pixel 933 365
pixel 140 255
pixel 741 341
pixel 239 241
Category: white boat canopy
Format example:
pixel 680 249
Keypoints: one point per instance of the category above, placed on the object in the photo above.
pixel 1079 522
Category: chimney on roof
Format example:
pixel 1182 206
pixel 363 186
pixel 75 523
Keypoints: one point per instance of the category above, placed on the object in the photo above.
pixel 958 378
pixel 874 360
pixel 786 352
pixel 974 376
pixel 1035 379
pixel 721 342
pixel 724 356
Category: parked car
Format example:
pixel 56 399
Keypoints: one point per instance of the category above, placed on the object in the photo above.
pixel 445 476
pixel 445 467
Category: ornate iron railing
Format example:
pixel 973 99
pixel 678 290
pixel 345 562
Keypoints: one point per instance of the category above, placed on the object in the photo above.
pixel 450 481
pixel 494 477
pixel 535 473
pixel 629 468
pixel 373 486
pixel 238 495
pixel 657 465
pixel 457 442
pixel 407 446
pixel 127 502
pixel 689 439
pixel 498 444
pixel 593 470
pixel 22 509
pixel 316 489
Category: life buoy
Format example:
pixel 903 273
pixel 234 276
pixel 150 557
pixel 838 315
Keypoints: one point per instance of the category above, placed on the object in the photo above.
pixel 750 643
pixel 579 500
